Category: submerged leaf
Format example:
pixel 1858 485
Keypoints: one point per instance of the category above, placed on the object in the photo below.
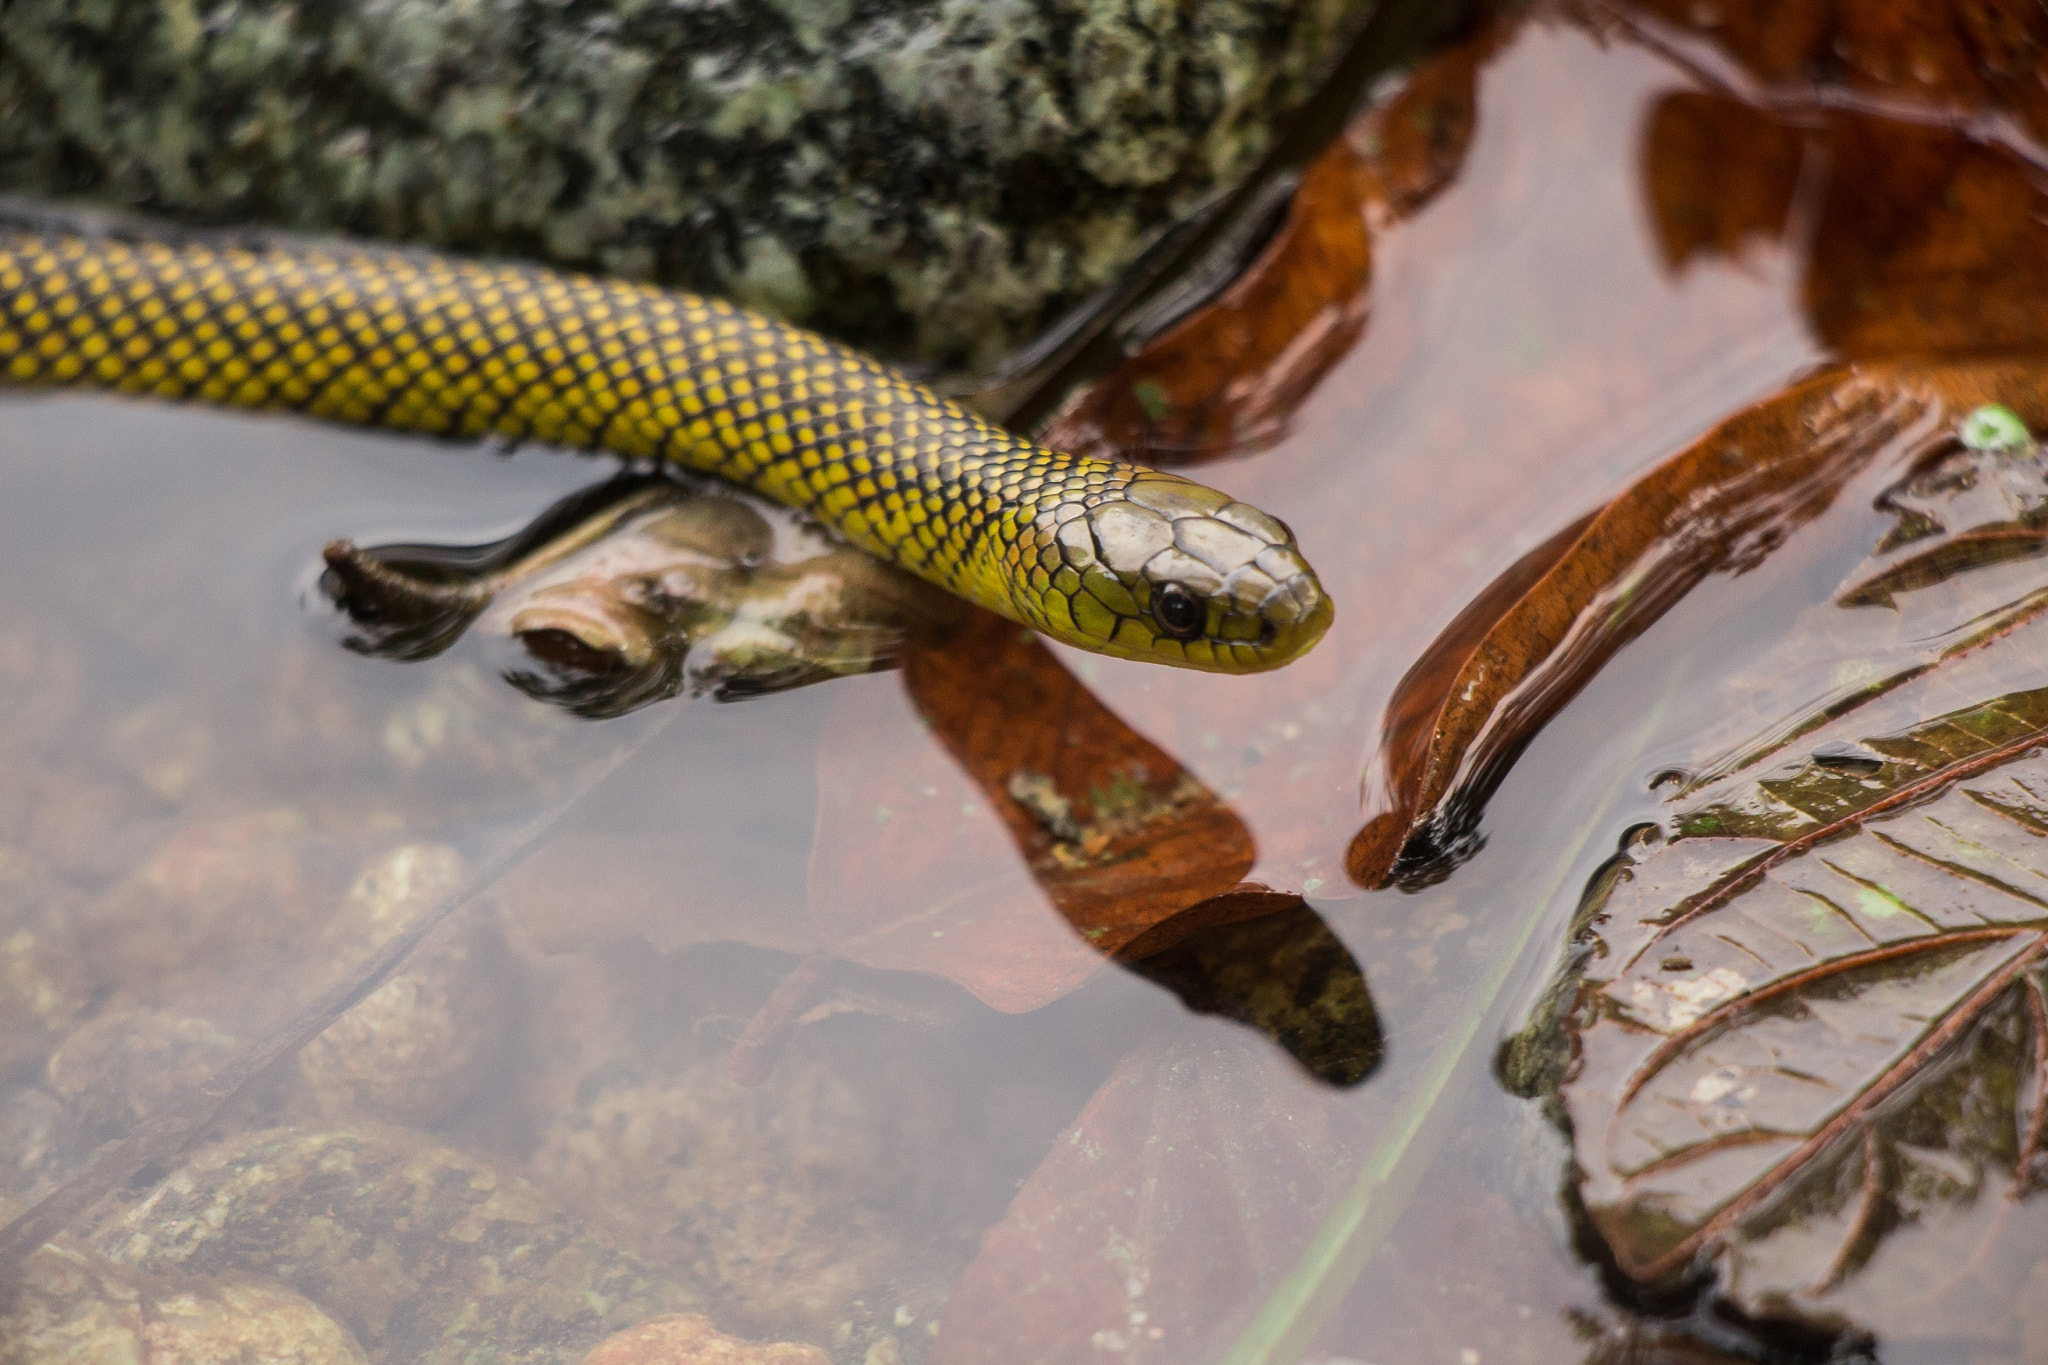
pixel 1187 1183
pixel 1942 60
pixel 1526 645
pixel 1053 835
pixel 1288 976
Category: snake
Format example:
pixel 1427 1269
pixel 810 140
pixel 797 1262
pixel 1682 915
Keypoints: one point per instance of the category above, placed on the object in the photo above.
pixel 1106 555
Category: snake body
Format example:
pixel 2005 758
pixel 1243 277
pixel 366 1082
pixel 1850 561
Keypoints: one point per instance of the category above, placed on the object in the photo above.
pixel 1109 556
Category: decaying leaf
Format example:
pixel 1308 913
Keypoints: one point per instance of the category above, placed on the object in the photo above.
pixel 1803 1033
pixel 1525 646
pixel 1036 800
pixel 1961 507
pixel 1229 375
pixel 1814 1013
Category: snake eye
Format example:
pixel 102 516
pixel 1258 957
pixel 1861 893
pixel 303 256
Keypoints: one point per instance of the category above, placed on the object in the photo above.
pixel 1178 611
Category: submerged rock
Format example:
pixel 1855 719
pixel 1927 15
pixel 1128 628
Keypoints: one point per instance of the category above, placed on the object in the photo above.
pixel 415 1050
pixel 122 1068
pixel 217 900
pixel 73 1309
pixel 793 1201
pixel 425 1254
pixel 42 984
pixel 690 1339
pixel 927 177
pixel 39 1141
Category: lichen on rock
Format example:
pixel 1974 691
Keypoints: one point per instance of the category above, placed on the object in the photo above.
pixel 930 178
pixel 69 1308
pixel 423 1253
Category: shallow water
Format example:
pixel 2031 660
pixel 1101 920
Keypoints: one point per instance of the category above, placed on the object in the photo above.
pixel 201 773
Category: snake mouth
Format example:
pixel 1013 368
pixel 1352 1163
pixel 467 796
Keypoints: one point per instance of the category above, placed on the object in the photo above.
pixel 1283 643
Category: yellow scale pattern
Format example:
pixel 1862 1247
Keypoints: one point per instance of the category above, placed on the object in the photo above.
pixel 461 349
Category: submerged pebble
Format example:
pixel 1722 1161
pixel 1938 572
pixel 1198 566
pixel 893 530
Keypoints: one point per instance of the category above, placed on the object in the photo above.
pixel 690 1339
pixel 43 984
pixel 217 900
pixel 426 1254
pixel 792 1200
pixel 74 1309
pixel 415 1050
pixel 123 1067
pixel 696 1172
pixel 39 1142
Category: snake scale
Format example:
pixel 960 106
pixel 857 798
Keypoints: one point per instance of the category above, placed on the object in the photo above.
pixel 1109 556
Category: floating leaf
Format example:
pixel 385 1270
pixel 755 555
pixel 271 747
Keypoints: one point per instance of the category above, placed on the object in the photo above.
pixel 1055 836
pixel 1815 1012
pixel 1526 645
pixel 1804 1016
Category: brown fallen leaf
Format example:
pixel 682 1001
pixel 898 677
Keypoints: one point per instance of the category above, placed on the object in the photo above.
pixel 1228 376
pixel 1040 838
pixel 1802 1034
pixel 1922 239
pixel 1813 1014
pixel 1927 242
pixel 1528 644
pixel 1719 175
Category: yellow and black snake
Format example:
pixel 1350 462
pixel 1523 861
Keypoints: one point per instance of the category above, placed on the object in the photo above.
pixel 1109 556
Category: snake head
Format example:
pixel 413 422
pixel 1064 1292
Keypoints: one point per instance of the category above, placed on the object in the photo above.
pixel 1169 571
